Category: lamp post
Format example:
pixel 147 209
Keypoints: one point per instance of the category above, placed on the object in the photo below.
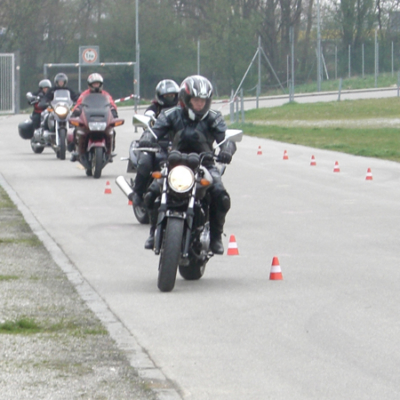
pixel 137 69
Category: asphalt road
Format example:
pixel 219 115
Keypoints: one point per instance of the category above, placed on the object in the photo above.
pixel 329 330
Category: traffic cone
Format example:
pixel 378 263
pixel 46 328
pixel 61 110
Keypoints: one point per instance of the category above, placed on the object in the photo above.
pixel 313 162
pixel 108 188
pixel 369 175
pixel 259 151
pixel 285 155
pixel 232 247
pixel 276 273
pixel 336 168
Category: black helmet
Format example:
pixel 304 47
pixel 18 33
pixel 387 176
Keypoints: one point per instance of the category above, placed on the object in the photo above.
pixel 61 77
pixel 95 78
pixel 196 86
pixel 165 87
pixel 45 83
pixel 25 129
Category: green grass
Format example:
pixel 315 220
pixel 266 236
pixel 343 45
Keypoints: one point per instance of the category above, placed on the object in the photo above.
pixel 369 141
pixel 8 277
pixel 26 326
pixel 347 109
pixel 355 82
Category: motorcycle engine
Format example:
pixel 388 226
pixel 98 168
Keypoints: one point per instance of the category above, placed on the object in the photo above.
pixel 51 122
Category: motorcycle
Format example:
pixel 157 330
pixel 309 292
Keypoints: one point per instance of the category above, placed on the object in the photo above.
pixel 95 126
pixel 57 116
pixel 26 129
pixel 141 212
pixel 182 236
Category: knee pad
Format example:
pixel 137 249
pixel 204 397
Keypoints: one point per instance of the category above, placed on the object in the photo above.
pixel 224 202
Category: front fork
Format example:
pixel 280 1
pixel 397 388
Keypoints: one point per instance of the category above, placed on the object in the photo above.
pixel 163 213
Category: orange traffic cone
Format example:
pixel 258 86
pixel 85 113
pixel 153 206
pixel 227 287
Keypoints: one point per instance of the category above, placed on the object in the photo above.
pixel 232 247
pixel 313 162
pixel 336 168
pixel 285 155
pixel 108 188
pixel 276 273
pixel 369 175
pixel 259 151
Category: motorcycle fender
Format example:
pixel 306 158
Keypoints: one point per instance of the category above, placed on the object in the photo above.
pixel 96 143
pixel 163 216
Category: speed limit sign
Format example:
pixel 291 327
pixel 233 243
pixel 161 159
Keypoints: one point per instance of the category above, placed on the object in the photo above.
pixel 89 55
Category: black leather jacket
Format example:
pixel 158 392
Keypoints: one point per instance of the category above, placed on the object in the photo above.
pixel 189 136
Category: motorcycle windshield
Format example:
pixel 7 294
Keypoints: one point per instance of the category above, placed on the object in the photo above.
pixel 61 96
pixel 96 107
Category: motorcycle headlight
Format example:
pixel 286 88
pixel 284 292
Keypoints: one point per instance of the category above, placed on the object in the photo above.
pixel 97 126
pixel 61 111
pixel 181 179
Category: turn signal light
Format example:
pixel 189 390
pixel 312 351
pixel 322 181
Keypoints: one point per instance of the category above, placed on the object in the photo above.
pixel 156 175
pixel 74 122
pixel 204 182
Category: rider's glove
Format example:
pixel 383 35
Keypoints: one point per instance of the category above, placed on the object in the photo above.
pixel 77 112
pixel 227 151
pixel 224 157
pixel 114 113
pixel 147 140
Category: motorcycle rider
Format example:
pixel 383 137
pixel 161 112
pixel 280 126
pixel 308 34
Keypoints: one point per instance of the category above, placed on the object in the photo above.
pixel 39 102
pixel 60 82
pixel 95 85
pixel 195 127
pixel 166 96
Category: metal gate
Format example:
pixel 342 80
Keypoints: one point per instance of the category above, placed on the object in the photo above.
pixel 7 83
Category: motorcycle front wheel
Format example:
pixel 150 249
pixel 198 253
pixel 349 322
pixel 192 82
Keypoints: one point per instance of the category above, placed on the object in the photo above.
pixel 62 145
pixel 170 254
pixel 97 162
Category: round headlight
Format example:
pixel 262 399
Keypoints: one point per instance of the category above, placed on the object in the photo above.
pixel 181 179
pixel 61 111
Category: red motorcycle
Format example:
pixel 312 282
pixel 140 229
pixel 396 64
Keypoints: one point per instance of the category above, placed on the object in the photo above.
pixel 94 134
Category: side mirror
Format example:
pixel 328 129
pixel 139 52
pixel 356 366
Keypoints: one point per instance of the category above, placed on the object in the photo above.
pixel 234 135
pixel 141 120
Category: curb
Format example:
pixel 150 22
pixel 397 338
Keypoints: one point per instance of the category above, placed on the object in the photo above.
pixel 137 356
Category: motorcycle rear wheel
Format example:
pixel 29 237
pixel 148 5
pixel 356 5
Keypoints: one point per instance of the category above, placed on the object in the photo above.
pixel 141 214
pixel 170 254
pixel 194 271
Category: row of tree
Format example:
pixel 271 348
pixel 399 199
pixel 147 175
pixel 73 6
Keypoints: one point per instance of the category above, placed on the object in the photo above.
pixel 51 31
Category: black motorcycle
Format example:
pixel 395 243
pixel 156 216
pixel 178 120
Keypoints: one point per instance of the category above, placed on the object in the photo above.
pixel 141 212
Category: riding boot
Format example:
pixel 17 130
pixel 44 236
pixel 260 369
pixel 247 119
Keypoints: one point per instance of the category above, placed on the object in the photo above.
pixel 149 245
pixel 217 221
pixel 139 188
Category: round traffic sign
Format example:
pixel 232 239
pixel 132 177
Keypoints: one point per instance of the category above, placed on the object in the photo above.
pixel 89 56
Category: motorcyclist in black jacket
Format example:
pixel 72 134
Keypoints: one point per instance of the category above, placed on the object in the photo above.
pixel 193 127
pixel 166 96
pixel 39 101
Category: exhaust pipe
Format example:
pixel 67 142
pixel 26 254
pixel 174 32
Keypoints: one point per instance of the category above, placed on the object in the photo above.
pixel 124 186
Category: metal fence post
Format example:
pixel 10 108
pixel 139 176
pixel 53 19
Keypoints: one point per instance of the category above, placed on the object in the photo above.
pixel 242 104
pixel 231 107
pixel 340 88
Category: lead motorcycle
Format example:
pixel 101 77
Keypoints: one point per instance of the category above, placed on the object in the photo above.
pixel 182 237
pixel 57 116
pixel 95 126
